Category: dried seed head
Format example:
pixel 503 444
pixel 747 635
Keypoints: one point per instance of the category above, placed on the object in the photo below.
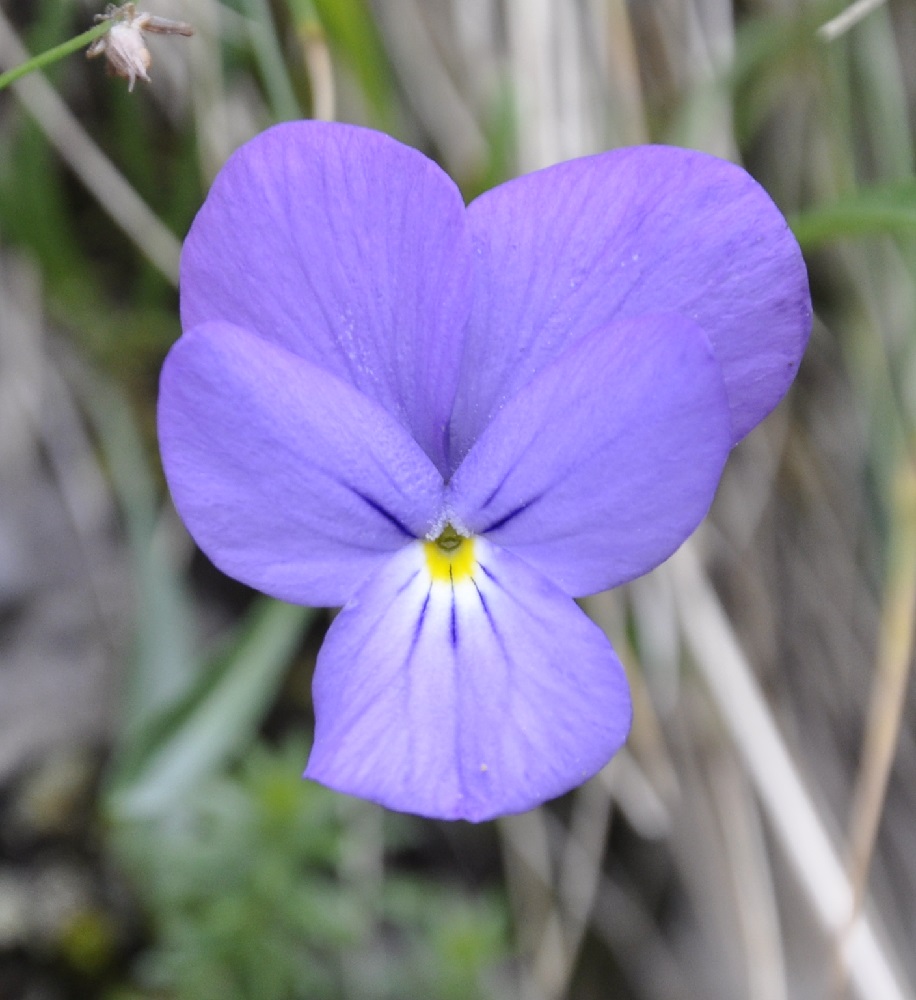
pixel 125 51
pixel 123 44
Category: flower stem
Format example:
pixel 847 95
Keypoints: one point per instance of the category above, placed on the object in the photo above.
pixel 52 55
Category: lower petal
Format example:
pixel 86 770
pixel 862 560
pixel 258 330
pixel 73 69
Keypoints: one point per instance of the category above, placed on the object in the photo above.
pixel 464 698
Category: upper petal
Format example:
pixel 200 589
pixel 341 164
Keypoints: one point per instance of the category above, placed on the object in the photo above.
pixel 647 229
pixel 600 467
pixel 464 701
pixel 289 479
pixel 348 249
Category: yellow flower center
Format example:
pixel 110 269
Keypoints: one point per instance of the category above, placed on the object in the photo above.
pixel 450 558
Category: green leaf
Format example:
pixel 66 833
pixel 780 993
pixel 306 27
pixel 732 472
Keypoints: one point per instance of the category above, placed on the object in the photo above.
pixel 163 665
pixel 886 209
pixel 271 62
pixel 218 717
pixel 355 38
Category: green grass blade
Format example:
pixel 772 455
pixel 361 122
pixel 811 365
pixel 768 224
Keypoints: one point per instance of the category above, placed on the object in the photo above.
pixel 271 62
pixel 888 209
pixel 355 38
pixel 218 717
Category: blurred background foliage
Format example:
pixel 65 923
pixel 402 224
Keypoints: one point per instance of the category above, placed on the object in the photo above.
pixel 755 840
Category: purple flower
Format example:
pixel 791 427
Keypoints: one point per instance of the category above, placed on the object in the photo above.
pixel 454 420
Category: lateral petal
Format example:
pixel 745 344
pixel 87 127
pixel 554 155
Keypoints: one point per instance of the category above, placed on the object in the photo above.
pixel 601 466
pixel 464 700
pixel 348 249
pixel 288 478
pixel 566 250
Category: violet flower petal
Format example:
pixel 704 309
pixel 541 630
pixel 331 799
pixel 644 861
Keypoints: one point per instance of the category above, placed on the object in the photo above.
pixel 348 249
pixel 601 466
pixel 469 700
pixel 288 478
pixel 568 249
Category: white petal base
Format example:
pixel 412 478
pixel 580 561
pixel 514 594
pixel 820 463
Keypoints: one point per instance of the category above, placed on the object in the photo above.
pixel 464 700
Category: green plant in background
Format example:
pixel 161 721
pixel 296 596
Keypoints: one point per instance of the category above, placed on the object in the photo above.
pixel 246 901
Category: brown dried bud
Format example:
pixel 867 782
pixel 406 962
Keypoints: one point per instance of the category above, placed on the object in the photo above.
pixel 123 44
